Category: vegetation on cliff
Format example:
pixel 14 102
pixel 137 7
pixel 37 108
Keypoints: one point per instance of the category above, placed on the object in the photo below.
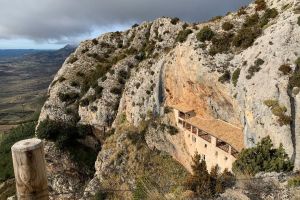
pixel 262 158
pixel 21 132
pixel 205 184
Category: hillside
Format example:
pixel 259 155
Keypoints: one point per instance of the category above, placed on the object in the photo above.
pixel 25 76
pixel 242 68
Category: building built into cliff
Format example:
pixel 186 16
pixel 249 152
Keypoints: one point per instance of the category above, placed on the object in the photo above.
pixel 217 141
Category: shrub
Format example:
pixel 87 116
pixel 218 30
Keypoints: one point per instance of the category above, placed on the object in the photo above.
pixel 260 5
pixel 123 74
pixel 245 37
pixel 84 102
pixel 278 111
pixel 74 83
pixel 80 74
pixel 252 70
pixel 68 97
pixel 72 59
pixel 251 20
pixel 285 69
pixel 269 14
pixel 94 108
pixel 182 35
pixel 175 20
pixel 205 34
pixel 259 62
pixel 116 90
pixel 225 77
pixel 294 182
pixel 21 132
pixel 235 76
pixel 294 80
pixel 134 25
pixel 226 26
pixel 262 158
pixel 242 11
pixel 95 41
pixel 221 43
pixel 205 184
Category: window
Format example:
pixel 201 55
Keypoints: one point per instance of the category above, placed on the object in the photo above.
pixel 225 158
pixel 194 139
pixel 216 154
pixel 205 145
pixel 188 135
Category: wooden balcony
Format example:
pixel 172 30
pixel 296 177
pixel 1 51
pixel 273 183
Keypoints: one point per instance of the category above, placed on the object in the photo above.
pixel 223 145
pixel 206 137
pixel 194 130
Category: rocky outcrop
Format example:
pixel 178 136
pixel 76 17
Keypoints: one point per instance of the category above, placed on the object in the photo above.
pixel 134 76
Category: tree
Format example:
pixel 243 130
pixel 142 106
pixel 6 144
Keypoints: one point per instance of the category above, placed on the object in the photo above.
pixel 199 181
pixel 262 158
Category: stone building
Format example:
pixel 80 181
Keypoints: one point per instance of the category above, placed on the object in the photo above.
pixel 217 141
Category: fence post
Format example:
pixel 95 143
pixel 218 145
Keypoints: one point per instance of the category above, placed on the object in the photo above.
pixel 30 170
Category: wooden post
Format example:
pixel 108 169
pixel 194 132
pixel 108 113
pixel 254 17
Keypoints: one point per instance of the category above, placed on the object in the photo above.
pixel 30 170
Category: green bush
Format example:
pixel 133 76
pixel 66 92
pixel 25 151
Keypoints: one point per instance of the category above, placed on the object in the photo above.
pixel 68 97
pixel 21 132
pixel 116 90
pixel 269 14
pixel 182 35
pixel 285 69
pixel 221 43
pixel 294 80
pixel 95 41
pixel 63 134
pixel 204 184
pixel 279 111
pixel 245 37
pixel 134 25
pixel 235 76
pixel 226 26
pixel 251 20
pixel 262 158
pixel 260 5
pixel 294 182
pixel 72 59
pixel 225 77
pixel 74 84
pixel 80 74
pixel 242 11
pixel 205 34
pixel 175 20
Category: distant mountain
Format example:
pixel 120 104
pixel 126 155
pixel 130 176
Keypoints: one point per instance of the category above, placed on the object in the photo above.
pixel 24 79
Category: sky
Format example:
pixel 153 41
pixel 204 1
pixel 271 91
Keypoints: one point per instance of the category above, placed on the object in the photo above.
pixel 51 24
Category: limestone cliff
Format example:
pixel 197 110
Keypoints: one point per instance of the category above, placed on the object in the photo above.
pixel 138 74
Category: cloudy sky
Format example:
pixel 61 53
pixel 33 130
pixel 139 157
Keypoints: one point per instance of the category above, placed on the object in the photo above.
pixel 54 23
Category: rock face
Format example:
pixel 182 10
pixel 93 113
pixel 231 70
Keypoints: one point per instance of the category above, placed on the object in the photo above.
pixel 136 75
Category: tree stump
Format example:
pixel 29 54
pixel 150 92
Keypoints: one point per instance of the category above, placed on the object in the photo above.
pixel 30 170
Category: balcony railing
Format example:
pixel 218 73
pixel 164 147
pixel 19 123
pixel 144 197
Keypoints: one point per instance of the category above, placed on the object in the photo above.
pixel 194 130
pixel 206 137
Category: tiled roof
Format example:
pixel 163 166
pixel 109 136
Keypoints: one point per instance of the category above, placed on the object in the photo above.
pixel 222 130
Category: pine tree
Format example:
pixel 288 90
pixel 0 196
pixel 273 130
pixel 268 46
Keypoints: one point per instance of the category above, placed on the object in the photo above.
pixel 199 181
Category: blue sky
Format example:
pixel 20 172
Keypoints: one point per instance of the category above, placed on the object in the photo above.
pixel 51 24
